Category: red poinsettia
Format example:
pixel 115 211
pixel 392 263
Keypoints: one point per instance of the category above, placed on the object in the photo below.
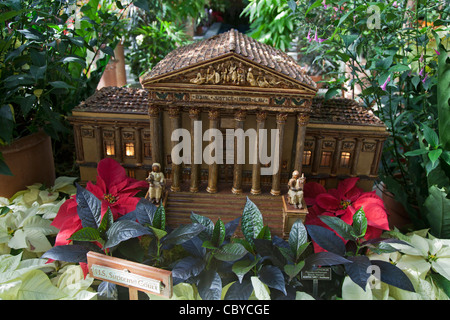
pixel 115 190
pixel 343 202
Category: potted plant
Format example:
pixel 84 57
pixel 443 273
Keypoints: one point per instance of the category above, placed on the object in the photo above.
pixel 52 56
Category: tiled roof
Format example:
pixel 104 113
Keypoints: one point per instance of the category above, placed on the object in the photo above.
pixel 226 43
pixel 342 111
pixel 116 100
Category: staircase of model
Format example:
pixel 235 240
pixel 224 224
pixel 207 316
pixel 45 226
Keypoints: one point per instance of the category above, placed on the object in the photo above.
pixel 227 206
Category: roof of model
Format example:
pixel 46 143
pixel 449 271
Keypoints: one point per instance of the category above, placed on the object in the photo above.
pixel 231 42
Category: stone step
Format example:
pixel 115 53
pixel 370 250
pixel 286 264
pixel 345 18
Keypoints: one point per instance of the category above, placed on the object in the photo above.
pixel 227 207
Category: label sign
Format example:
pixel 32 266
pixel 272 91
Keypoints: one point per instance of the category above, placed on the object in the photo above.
pixel 125 278
pixel 317 274
pixel 225 98
pixel 135 276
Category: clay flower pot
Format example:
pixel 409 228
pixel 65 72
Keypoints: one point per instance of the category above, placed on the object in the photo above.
pixel 30 159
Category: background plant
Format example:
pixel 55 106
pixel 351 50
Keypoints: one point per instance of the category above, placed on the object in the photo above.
pixel 52 55
pixel 398 70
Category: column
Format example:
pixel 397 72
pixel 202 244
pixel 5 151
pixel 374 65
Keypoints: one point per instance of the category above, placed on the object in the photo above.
pixel 276 178
pixel 317 154
pixel 336 156
pixel 355 160
pixel 99 142
pixel 213 172
pixel 174 116
pixel 302 121
pixel 78 143
pixel 376 159
pixel 118 142
pixel 194 115
pixel 256 168
pixel 153 112
pixel 138 141
pixel 239 118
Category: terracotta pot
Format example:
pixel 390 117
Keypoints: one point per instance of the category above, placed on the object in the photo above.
pixel 397 215
pixel 31 161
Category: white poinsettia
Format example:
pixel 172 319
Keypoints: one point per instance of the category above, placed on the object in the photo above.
pixel 42 195
pixel 25 229
pixel 425 254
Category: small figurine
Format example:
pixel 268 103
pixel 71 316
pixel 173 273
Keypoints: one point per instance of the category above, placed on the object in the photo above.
pixel 156 180
pixel 295 193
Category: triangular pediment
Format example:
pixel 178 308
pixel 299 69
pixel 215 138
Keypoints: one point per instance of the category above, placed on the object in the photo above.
pixel 232 59
pixel 229 71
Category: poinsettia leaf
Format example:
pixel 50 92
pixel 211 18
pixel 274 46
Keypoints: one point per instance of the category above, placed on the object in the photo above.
pixel 145 211
pixel 239 290
pixel 359 223
pixel 298 236
pixel 292 270
pixel 124 230
pixel 265 248
pixel 88 208
pixel 187 268
pixel 231 227
pixel 68 253
pixel 343 229
pixel 242 267
pixel 194 247
pixel 326 239
pixel 218 235
pixel 182 234
pixel 357 271
pixel 159 219
pixel 107 221
pixel 230 252
pixel 206 234
pixel 86 234
pixel 392 275
pixel 324 259
pixel 273 278
pixel 210 285
pixel 264 233
pixel 252 221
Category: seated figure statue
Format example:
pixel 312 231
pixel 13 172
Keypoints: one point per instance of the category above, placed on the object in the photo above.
pixel 295 193
pixel 156 181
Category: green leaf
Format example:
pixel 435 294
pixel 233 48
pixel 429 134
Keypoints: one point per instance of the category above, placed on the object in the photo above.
pixel 107 222
pixel 359 223
pixel 443 94
pixel 218 235
pixel 61 85
pixel 292 270
pixel 252 221
pixel 298 236
pixel 343 229
pixel 183 233
pixel 68 253
pixel 86 234
pixel 123 230
pixel 159 234
pixel 240 268
pixel 399 68
pixel 438 207
pixel 230 252
pixel 431 136
pixel 433 155
pixel 416 152
pixel 207 233
pixel 159 219
pixel 88 208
